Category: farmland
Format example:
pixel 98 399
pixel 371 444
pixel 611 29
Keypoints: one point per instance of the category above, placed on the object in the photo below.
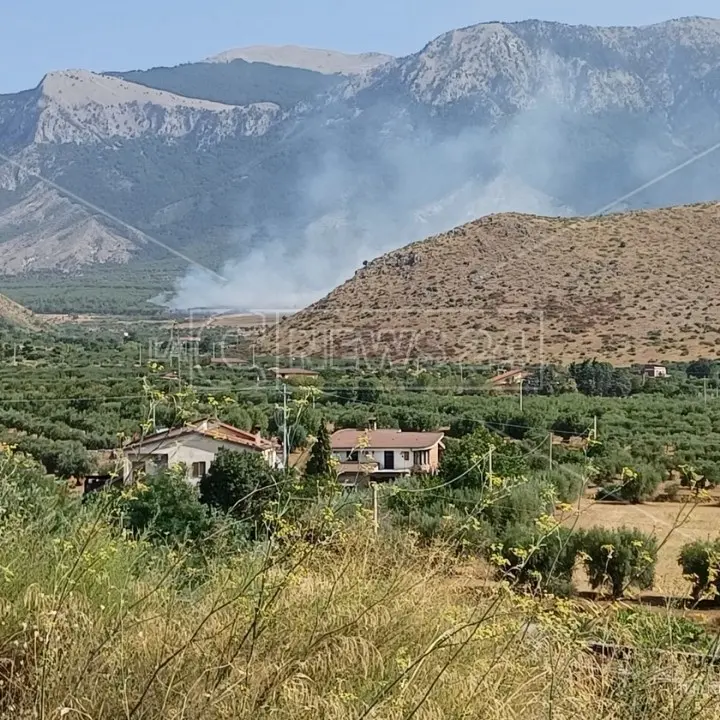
pixel 306 576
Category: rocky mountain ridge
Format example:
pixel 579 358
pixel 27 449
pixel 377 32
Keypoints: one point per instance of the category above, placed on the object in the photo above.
pixel 328 62
pixel 236 160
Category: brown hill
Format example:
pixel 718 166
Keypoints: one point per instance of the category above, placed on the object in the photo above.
pixel 639 287
pixel 17 314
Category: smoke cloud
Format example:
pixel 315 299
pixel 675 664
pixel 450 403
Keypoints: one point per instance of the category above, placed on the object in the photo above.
pixel 415 187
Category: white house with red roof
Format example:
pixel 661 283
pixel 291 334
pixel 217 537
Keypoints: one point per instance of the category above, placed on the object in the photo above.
pixel 194 446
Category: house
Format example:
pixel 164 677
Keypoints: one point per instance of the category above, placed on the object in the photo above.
pixel 194 446
pixel 228 361
pixel 506 379
pixel 287 373
pixel 655 371
pixel 376 455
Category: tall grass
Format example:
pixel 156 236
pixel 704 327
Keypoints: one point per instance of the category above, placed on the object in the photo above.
pixel 96 625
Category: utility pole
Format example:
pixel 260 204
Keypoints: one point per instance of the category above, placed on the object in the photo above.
pixel 550 457
pixel 253 354
pixel 490 454
pixel 521 394
pixel 15 354
pixel 376 520
pixel 285 428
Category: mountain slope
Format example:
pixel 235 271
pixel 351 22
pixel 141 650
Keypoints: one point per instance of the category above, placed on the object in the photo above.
pixel 239 164
pixel 236 82
pixel 328 62
pixel 15 314
pixel 47 231
pixel 637 286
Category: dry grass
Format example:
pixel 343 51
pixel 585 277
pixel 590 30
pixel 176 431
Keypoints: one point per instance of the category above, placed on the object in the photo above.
pixel 633 287
pixel 17 314
pixel 94 626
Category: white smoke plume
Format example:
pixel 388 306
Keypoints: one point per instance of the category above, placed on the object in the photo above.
pixel 436 185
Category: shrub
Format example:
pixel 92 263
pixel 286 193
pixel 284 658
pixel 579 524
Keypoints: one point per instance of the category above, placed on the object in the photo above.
pixel 700 562
pixel 241 483
pixel 540 561
pixel 568 481
pixel 164 508
pixel 619 558
pixel 465 460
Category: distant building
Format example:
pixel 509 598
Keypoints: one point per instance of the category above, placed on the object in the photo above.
pixel 287 373
pixel 655 371
pixel 512 377
pixel 377 455
pixel 194 446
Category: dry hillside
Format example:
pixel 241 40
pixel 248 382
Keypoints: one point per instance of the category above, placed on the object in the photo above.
pixel 17 314
pixel 639 286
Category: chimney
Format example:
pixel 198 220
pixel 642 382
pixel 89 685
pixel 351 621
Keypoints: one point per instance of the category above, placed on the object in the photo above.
pixel 373 423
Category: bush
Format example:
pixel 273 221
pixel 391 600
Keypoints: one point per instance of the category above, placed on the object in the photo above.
pixel 241 483
pixel 568 481
pixel 634 486
pixel 619 558
pixel 465 462
pixel 700 562
pixel 164 508
pixel 540 562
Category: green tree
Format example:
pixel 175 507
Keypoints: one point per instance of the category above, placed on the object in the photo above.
pixel 702 368
pixel 700 562
pixel 466 462
pixel 619 559
pixel 165 508
pixel 242 484
pixel 539 561
pixel 320 463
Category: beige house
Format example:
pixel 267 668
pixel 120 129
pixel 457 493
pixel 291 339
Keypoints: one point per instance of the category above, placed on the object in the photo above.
pixel 194 446
pixel 376 455
pixel 655 371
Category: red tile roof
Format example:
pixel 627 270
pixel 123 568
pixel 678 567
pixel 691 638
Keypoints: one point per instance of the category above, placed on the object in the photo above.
pixel 209 428
pixel 384 439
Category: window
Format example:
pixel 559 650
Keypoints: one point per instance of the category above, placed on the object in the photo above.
pixel 161 461
pixel 198 469
pixel 352 455
pixel 406 455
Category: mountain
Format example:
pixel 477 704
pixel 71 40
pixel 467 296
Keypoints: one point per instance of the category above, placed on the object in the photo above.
pixel 328 62
pixel 284 179
pixel 522 289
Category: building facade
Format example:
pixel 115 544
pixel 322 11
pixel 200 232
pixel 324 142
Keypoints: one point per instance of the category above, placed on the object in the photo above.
pixel 195 447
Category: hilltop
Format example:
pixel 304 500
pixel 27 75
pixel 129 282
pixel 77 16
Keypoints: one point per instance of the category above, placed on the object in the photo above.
pixel 328 62
pixel 633 287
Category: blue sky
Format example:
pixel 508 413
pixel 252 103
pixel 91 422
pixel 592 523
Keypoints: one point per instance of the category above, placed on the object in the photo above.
pixel 41 35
